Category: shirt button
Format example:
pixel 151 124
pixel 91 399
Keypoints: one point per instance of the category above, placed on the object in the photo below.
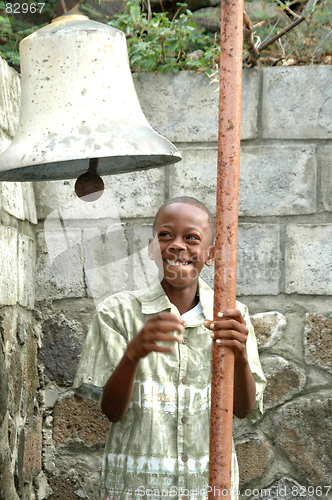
pixel 184 380
pixel 184 340
pixel 184 419
pixel 184 458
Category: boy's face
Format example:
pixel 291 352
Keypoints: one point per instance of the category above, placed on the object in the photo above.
pixel 182 244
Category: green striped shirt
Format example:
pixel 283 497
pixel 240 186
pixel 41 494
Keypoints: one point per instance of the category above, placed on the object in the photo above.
pixel 160 449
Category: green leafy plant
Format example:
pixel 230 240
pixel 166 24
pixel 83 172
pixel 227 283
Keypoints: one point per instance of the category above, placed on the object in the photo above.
pixel 163 44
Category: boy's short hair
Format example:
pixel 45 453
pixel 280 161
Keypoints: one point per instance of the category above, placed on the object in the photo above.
pixel 189 200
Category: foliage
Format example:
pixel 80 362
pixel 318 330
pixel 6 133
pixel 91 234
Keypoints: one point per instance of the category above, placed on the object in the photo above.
pixel 163 44
pixel 160 42
pixel 311 39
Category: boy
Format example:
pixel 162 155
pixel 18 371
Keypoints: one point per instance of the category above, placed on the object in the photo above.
pixel 147 358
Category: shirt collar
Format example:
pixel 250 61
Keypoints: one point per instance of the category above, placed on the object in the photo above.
pixel 154 299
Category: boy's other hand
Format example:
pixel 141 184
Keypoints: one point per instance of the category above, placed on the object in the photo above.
pixel 230 330
pixel 157 328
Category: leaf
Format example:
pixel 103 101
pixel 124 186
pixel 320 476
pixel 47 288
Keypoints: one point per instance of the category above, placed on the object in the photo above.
pixel 135 13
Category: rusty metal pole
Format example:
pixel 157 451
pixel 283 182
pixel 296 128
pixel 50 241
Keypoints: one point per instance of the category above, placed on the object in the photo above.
pixel 222 384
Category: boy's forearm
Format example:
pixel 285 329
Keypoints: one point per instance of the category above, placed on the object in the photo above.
pixel 244 390
pixel 118 390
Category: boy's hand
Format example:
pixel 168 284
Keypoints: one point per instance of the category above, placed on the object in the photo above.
pixel 230 331
pixel 156 328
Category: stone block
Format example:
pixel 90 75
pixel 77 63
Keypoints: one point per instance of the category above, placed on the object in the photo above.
pixel 59 268
pixel 277 180
pixel 138 194
pixel 30 376
pixel 302 429
pixel 318 341
pixel 304 114
pixel 15 382
pixel 184 107
pixel 195 175
pixel 269 328
pixel 55 199
pixel 143 269
pixel 33 449
pixel 284 380
pixel 61 348
pixel 4 388
pixel 258 259
pixel 254 456
pixel 10 98
pixel 286 488
pixel 8 266
pixel 133 194
pixel 273 180
pixel 309 259
pixel 105 261
pixel 77 418
pixel 325 155
pixel 26 271
pixel 17 198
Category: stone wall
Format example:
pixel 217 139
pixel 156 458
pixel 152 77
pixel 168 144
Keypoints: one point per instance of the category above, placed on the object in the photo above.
pixel 21 406
pixel 86 251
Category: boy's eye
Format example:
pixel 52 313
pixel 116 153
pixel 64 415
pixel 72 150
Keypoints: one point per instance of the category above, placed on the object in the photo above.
pixel 192 237
pixel 163 234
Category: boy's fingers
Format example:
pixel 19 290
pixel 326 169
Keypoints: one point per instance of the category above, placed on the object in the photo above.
pixel 232 314
pixel 167 338
pixel 165 326
pixel 166 316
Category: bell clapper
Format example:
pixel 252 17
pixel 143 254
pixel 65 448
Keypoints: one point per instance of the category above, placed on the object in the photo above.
pixel 90 186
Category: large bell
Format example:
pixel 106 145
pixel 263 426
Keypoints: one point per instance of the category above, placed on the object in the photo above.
pixel 79 102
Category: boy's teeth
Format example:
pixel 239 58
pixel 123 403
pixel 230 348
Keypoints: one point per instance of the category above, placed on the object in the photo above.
pixel 176 263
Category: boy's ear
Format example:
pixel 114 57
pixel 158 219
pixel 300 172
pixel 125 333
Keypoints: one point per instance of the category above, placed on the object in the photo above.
pixel 151 248
pixel 211 253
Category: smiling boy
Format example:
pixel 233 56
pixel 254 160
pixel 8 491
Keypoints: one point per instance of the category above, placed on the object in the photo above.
pixel 147 357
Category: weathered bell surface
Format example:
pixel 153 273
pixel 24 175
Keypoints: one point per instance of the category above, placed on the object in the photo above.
pixel 79 102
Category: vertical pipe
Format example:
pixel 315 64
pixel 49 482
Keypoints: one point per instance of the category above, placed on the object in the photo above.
pixel 222 384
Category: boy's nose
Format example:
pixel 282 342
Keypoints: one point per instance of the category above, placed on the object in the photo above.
pixel 178 245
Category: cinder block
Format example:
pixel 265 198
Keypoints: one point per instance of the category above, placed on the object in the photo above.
pixel 135 194
pixel 138 194
pixel 12 199
pixel 195 175
pixel 184 107
pixel 143 269
pixel 8 266
pixel 105 261
pixel 59 269
pixel 274 180
pixel 26 271
pixel 277 180
pixel 325 155
pixel 297 103
pixel 309 259
pixel 10 98
pixel 17 198
pixel 258 258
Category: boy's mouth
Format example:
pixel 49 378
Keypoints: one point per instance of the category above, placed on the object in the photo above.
pixel 178 262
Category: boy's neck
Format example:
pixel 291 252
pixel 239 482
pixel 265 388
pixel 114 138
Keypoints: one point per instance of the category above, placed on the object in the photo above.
pixel 184 299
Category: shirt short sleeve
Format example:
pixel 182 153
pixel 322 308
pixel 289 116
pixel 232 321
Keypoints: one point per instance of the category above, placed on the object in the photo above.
pixel 104 347
pixel 255 365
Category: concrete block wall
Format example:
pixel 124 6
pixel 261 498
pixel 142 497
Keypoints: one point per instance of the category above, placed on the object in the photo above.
pixel 86 251
pixel 21 406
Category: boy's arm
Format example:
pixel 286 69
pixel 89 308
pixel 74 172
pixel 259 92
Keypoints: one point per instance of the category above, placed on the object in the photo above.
pixel 118 390
pixel 230 331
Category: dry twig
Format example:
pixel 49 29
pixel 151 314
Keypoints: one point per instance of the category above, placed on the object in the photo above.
pixel 248 38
